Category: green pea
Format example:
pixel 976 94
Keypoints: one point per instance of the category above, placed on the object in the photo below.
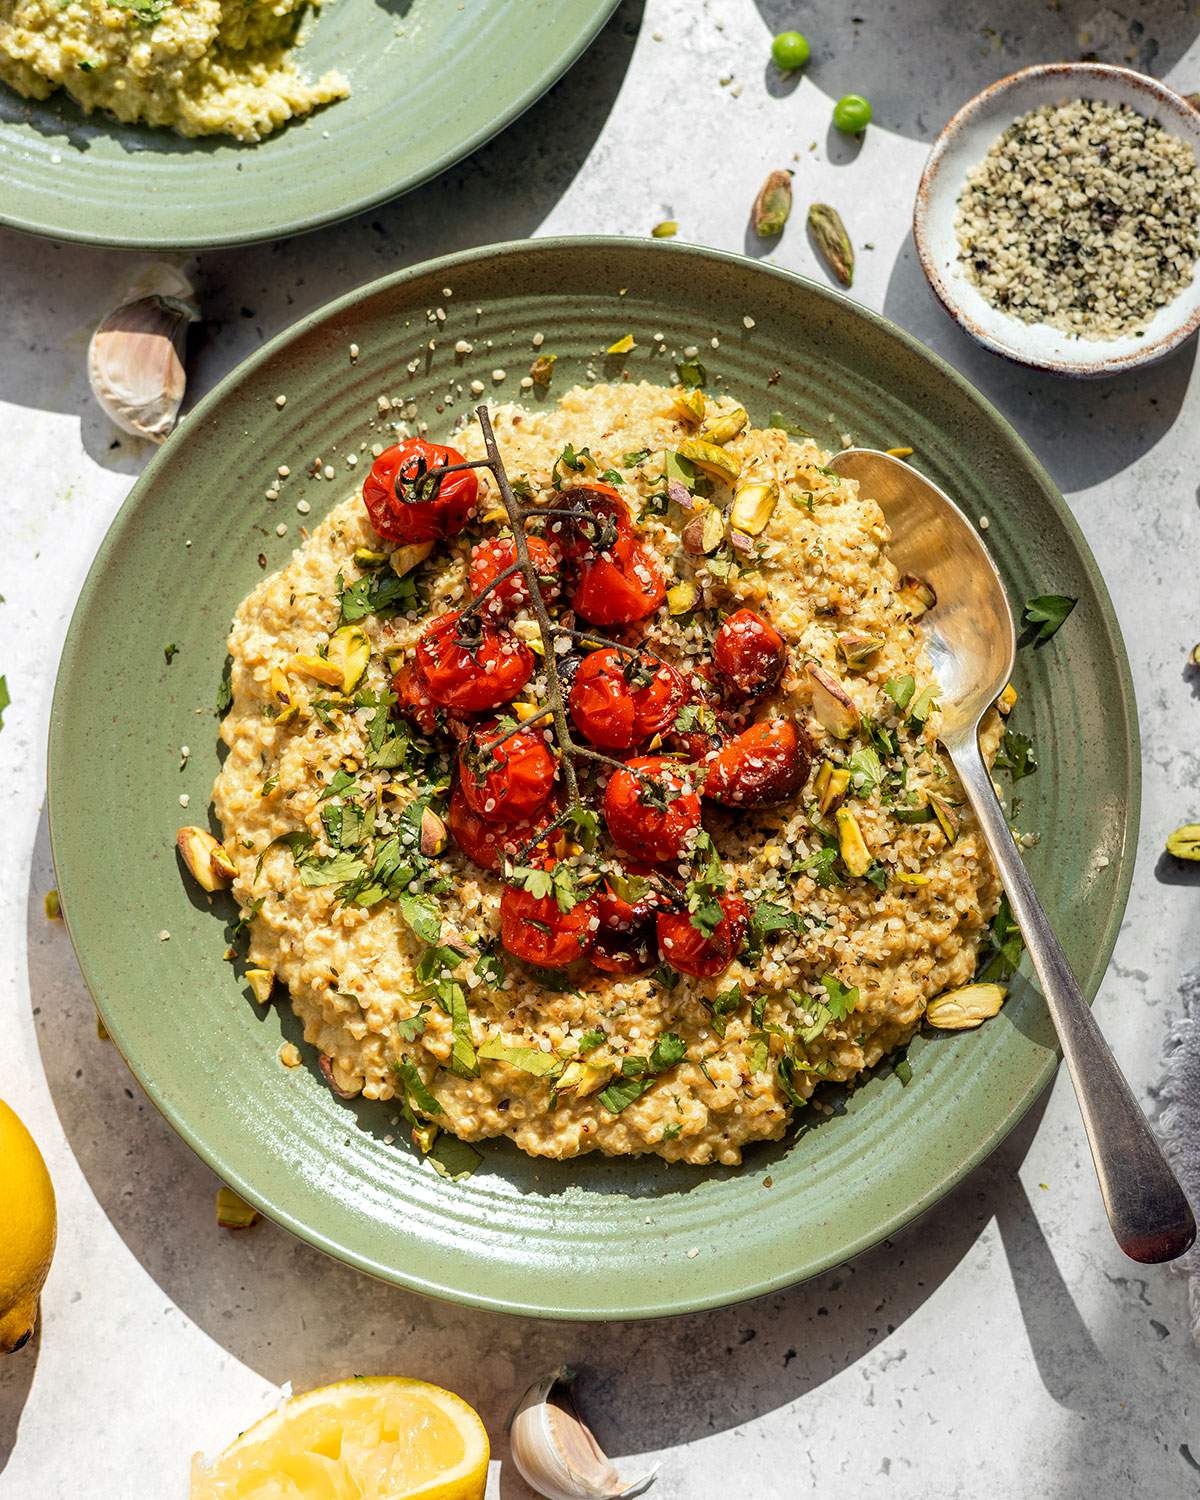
pixel 852 113
pixel 790 50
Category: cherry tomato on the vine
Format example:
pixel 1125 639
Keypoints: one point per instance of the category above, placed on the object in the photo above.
pixel 490 558
pixel 620 591
pixel 510 781
pixel 651 808
pixel 407 516
pixel 686 948
pixel 489 843
pixel 749 654
pixel 624 950
pixel 600 523
pixel 534 929
pixel 413 700
pixel 619 701
pixel 767 763
pixel 470 666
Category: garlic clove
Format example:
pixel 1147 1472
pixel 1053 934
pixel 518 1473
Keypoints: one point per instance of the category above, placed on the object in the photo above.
pixel 556 1452
pixel 136 356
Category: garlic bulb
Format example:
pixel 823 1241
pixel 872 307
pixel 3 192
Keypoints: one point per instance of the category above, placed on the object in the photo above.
pixel 135 358
pixel 555 1450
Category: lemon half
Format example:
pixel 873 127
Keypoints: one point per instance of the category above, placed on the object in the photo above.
pixel 27 1230
pixel 378 1438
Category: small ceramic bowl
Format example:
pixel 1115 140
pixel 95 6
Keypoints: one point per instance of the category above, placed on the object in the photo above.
pixel 965 141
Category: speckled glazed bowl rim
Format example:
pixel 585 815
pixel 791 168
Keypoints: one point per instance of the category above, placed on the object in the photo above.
pixel 804 1266
pixel 1134 88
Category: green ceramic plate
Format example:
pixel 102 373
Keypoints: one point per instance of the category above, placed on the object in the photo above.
pixel 590 1238
pixel 431 82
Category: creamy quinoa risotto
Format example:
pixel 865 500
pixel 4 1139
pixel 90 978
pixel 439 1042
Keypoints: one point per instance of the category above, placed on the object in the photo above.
pixel 750 874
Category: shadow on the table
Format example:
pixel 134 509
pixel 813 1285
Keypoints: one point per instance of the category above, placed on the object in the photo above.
pixel 16 1379
pixel 1084 431
pixel 503 191
pixel 918 61
pixel 290 1313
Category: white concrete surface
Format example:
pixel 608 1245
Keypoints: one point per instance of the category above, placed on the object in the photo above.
pixel 1002 1349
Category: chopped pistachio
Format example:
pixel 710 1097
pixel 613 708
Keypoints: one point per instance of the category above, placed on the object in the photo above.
pixel 350 650
pixel 831 786
pixel 622 346
pixel 1184 843
pixel 406 558
pixel 899 452
pixel 423 1137
pixel 754 502
pixel 709 457
pixel 101 1029
pixel 582 1078
pixel 666 230
pixel 207 862
pixel 704 533
pixel 1007 700
pixel 281 690
pixel 907 877
pixel 830 237
pixel 261 982
pixel 773 205
pixel 1194 656
pixel 916 595
pixel 234 1212
pixel 365 557
pixel 682 597
pixel 724 428
pixel 946 814
pixel 689 402
pixel 851 844
pixel 542 368
pixel 320 668
pixel 433 834
pixel 832 704
pixel 51 906
pixel 965 1008
pixel 858 649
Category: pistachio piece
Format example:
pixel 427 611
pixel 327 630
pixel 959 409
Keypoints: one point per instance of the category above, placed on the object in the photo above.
pixel 688 402
pixel 851 844
pixel 682 596
pixel 916 595
pixel 665 230
pixel 433 833
pixel 366 557
pixel 1184 843
pixel 908 877
pixel 773 205
pixel 233 1212
pixel 423 1136
pixel 830 785
pixel 899 452
pixel 832 704
pixel 946 814
pixel 754 500
pixel 320 668
pixel 52 906
pixel 724 428
pixel 542 368
pixel 830 237
pixel 710 458
pixel 261 982
pixel 1194 656
pixel 406 558
pixel 583 1078
pixel 622 346
pixel 207 862
pixel 350 651
pixel 1007 700
pixel 281 690
pixel 965 1008
pixel 857 650
pixel 705 532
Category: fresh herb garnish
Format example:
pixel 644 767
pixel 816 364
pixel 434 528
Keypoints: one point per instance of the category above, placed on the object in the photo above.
pixel 1044 616
pixel 170 651
pixel 416 1093
pixel 381 593
pixel 527 1059
pixel 637 1073
pixel 1006 945
pixel 900 690
pixel 1016 755
pixel 411 1027
pixel 225 689
pixel 691 373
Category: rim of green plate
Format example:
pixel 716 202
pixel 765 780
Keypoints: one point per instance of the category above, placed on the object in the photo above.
pixel 964 1165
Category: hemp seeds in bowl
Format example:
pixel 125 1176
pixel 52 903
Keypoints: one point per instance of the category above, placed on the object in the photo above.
pixel 1058 218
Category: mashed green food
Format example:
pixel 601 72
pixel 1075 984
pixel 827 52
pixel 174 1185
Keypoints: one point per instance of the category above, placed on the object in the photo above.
pixel 200 67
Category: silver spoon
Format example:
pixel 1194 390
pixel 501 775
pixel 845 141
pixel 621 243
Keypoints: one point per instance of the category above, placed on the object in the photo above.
pixel 972 645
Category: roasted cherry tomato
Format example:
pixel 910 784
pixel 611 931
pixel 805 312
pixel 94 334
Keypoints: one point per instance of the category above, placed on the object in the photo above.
pixel 407 517
pixel 619 591
pixel 686 948
pixel 488 843
pixel 512 780
pixel 707 732
pixel 470 666
pixel 652 814
pixel 619 701
pixel 766 763
pixel 600 523
pixel 489 559
pixel 532 928
pixel 412 699
pixel 749 655
pixel 624 950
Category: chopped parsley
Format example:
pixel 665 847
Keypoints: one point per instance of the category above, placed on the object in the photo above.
pixel 411 1027
pixel 1016 755
pixel 1044 616
pixel 1005 946
pixel 225 689
pixel 527 1059
pixel 638 1073
pixel 379 593
pixel 170 651
pixel 900 690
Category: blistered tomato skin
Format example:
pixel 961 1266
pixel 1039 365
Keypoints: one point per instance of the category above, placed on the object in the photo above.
pixel 765 764
pixel 412 699
pixel 511 781
pixel 688 951
pixel 487 672
pixel 489 844
pixel 533 929
pixel 749 655
pixel 600 524
pixel 651 815
pixel 621 591
pixel 490 558
pixel 618 701
pixel 415 520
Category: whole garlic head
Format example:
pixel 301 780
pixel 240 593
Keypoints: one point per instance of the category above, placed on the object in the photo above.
pixel 555 1450
pixel 135 358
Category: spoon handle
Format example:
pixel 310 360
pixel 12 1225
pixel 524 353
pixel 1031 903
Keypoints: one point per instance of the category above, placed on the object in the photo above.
pixel 1146 1207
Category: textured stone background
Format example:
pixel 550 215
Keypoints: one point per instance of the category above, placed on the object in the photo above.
pixel 1003 1348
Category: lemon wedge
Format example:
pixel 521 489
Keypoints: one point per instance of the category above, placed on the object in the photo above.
pixel 376 1438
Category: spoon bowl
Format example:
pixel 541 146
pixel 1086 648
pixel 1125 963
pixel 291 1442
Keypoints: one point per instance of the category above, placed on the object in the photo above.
pixel 971 643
